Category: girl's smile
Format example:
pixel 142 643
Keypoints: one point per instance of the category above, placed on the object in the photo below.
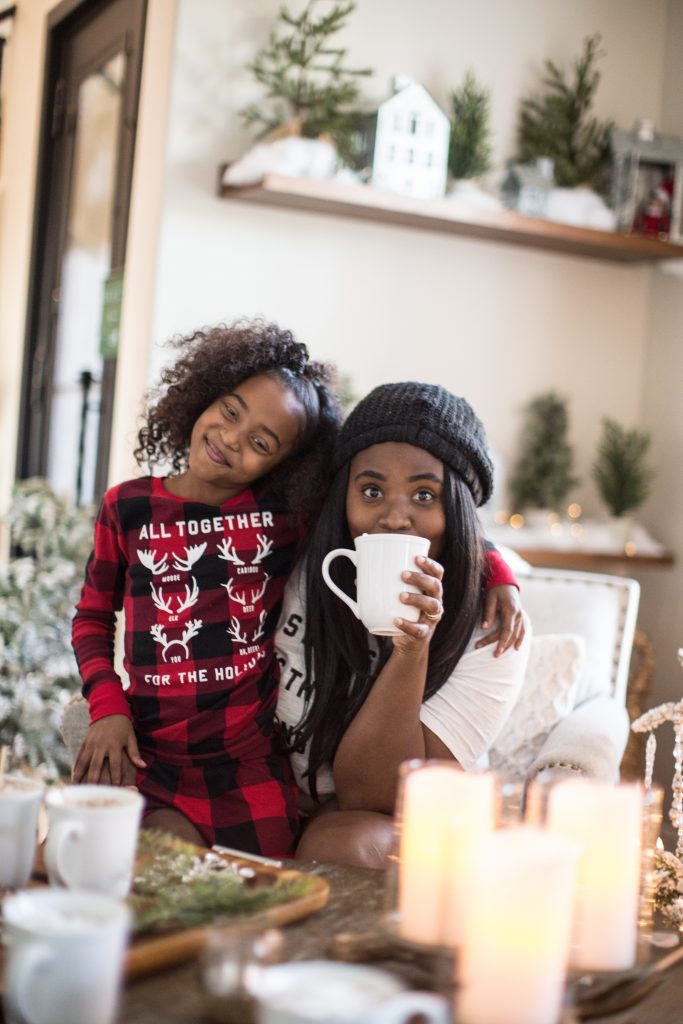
pixel 240 438
pixel 397 488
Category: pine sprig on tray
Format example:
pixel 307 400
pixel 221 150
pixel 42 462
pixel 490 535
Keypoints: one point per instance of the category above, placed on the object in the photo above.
pixel 176 886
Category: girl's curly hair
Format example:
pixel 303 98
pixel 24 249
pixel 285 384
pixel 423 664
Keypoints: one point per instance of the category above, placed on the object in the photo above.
pixel 214 361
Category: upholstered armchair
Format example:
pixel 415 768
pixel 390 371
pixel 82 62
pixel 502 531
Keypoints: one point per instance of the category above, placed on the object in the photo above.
pixel 571 715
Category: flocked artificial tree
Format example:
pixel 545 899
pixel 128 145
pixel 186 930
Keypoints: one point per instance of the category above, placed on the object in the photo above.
pixel 469 153
pixel 557 124
pixel 543 475
pixel 306 80
pixel 39 588
pixel 619 470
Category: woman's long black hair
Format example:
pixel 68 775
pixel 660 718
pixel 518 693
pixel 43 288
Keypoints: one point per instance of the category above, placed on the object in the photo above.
pixel 339 666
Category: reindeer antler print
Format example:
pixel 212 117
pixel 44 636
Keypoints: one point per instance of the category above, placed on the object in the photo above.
pixel 191 629
pixel 192 555
pixel 261 624
pixel 149 560
pixel 227 552
pixel 164 605
pixel 256 595
pixel 191 596
pixel 264 546
pixel 235 633
pixel 232 595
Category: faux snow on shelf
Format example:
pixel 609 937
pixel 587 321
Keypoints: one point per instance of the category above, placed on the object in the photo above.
pixel 294 156
pixel 581 207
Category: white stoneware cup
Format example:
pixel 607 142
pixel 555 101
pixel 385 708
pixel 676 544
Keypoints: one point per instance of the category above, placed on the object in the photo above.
pixel 92 837
pixel 64 957
pixel 20 800
pixel 380 558
pixel 326 992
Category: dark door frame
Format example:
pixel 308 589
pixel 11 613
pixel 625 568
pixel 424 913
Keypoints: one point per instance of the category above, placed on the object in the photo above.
pixel 64 21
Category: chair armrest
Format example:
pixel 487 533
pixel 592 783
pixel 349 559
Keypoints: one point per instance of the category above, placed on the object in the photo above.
pixel 589 741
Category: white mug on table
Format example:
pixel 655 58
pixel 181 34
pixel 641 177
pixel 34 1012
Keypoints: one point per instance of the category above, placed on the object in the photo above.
pixel 327 992
pixel 64 957
pixel 380 558
pixel 92 838
pixel 20 800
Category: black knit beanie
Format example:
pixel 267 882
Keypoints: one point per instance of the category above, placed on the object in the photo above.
pixel 427 416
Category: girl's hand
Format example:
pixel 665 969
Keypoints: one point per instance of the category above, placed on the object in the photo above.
pixel 415 636
pixel 109 751
pixel 504 603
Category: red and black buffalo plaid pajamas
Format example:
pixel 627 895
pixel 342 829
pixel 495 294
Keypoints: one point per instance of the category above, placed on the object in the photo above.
pixel 201 589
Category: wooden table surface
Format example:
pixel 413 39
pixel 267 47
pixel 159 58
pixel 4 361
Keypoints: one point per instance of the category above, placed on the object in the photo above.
pixel 356 903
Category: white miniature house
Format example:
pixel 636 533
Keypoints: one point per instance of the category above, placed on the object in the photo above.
pixel 412 134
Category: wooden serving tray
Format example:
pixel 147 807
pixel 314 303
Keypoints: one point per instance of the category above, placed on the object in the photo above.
pixel 149 953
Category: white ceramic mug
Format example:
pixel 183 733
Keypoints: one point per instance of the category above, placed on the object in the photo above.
pixel 64 957
pixel 92 838
pixel 326 992
pixel 380 558
pixel 20 800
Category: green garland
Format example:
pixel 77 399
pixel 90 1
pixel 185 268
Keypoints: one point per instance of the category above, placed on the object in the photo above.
pixel 175 887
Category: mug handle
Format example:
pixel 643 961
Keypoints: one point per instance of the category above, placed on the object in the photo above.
pixel 402 1007
pixel 56 859
pixel 24 963
pixel 327 560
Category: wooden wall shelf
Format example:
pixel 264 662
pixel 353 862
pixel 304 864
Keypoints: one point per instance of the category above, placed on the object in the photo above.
pixel 594 561
pixel 448 215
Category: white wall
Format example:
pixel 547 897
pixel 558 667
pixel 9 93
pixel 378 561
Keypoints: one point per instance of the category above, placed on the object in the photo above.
pixel 495 323
pixel 663 411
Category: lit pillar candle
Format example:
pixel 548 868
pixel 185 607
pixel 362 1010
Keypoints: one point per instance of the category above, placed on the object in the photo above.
pixel 444 813
pixel 606 822
pixel 517 929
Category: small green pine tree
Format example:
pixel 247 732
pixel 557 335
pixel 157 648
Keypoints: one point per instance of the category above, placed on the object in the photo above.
pixel 469 153
pixel 557 124
pixel 619 470
pixel 305 78
pixel 543 477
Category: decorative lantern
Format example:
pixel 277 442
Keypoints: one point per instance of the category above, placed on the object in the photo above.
pixel 647 181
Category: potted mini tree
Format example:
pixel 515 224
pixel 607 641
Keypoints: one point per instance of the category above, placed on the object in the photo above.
pixel 309 90
pixel 543 477
pixel 621 473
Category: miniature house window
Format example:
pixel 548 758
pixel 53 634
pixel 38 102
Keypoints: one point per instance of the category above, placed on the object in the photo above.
pixel 413 124
pixel 397 122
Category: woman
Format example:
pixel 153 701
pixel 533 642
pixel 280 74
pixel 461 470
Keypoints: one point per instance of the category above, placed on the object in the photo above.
pixel 411 458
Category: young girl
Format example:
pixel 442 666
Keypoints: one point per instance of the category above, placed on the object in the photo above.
pixel 198 560
pixel 411 458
